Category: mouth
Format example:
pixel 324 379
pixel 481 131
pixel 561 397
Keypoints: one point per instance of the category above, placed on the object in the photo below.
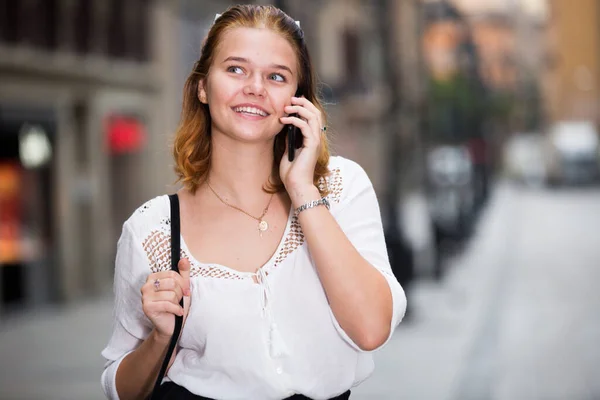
pixel 251 111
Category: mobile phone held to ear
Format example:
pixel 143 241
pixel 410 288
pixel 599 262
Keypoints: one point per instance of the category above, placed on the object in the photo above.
pixel 294 139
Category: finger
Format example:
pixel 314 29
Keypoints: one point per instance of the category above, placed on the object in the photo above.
pixel 164 306
pixel 311 140
pixel 170 295
pixel 304 102
pixel 170 284
pixel 302 112
pixel 161 276
pixel 184 271
pixel 308 115
pixel 300 123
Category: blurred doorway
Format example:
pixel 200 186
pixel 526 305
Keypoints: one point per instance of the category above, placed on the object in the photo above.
pixel 27 239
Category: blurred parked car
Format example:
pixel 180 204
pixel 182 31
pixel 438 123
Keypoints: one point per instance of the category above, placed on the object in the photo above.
pixel 525 159
pixel 574 152
pixel 450 188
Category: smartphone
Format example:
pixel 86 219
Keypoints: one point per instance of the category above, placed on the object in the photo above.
pixel 294 135
pixel 294 139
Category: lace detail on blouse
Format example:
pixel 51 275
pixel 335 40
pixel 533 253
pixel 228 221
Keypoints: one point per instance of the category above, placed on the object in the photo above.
pixel 293 240
pixel 157 244
pixel 158 250
pixel 215 271
pixel 333 183
pixel 295 237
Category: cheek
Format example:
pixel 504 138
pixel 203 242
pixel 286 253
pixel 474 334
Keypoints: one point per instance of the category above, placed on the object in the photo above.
pixel 282 99
pixel 221 91
pixel 219 95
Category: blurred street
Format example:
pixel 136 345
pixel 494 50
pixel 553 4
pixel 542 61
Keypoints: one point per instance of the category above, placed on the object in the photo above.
pixel 514 318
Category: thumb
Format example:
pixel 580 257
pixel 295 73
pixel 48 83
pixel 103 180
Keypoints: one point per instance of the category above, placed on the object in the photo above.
pixel 184 271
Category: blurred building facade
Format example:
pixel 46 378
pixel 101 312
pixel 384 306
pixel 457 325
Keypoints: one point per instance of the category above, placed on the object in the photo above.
pixel 495 39
pixel 572 85
pixel 86 102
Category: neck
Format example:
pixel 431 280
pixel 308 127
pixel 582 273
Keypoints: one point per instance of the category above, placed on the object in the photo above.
pixel 239 171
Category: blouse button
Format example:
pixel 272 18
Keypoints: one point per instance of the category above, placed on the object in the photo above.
pixel 279 370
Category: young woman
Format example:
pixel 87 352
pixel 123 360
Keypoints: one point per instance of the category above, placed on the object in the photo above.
pixel 284 273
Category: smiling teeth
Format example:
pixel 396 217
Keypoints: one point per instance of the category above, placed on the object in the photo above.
pixel 250 110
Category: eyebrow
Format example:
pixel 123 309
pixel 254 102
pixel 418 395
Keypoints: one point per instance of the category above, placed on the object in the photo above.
pixel 245 60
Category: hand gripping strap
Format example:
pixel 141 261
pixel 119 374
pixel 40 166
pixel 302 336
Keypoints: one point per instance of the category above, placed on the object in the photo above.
pixel 175 253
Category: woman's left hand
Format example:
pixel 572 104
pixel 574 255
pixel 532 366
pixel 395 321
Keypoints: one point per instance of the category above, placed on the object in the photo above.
pixel 297 176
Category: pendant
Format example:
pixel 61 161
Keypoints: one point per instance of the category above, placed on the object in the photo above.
pixel 263 226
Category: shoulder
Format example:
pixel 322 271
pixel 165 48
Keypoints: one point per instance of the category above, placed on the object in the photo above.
pixel 345 176
pixel 149 216
pixel 347 168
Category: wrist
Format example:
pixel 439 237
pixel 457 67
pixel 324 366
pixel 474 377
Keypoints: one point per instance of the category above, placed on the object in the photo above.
pixel 159 339
pixel 304 194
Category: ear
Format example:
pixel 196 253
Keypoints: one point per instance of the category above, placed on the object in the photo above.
pixel 202 92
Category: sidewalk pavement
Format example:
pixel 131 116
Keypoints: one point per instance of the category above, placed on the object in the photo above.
pixel 54 353
pixel 428 357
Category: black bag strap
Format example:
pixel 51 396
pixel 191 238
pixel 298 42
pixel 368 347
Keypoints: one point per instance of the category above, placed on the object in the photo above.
pixel 175 253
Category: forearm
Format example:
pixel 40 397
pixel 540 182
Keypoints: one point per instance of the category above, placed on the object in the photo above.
pixel 358 294
pixel 138 370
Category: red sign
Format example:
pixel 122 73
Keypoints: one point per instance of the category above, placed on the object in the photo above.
pixel 125 134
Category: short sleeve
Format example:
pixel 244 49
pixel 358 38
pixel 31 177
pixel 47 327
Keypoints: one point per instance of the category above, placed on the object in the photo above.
pixel 359 216
pixel 130 325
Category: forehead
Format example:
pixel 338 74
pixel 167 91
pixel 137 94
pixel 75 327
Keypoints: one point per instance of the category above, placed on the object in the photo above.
pixel 260 46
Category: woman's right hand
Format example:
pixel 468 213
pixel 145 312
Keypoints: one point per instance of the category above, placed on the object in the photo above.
pixel 161 295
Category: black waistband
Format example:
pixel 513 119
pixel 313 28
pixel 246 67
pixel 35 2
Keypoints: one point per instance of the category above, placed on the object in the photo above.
pixel 343 396
pixel 172 391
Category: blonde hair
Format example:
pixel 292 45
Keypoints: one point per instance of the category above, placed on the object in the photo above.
pixel 192 145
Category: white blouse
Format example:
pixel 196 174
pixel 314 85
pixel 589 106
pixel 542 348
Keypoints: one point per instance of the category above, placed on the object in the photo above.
pixel 249 340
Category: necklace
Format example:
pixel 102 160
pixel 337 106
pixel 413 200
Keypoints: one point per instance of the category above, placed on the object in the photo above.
pixel 262 223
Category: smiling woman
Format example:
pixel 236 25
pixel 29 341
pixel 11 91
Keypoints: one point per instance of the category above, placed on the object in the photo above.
pixel 238 44
pixel 284 280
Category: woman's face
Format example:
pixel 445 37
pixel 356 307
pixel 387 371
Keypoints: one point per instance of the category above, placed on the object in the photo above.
pixel 253 77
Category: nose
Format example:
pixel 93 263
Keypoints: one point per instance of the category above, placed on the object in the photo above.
pixel 255 86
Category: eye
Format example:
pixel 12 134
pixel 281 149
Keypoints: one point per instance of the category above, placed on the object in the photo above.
pixel 277 77
pixel 235 69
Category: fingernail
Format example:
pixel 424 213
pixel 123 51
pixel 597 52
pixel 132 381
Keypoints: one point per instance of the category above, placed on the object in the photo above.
pixel 186 292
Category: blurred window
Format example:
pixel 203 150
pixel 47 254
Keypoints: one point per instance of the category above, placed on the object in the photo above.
pixel 116 29
pixel 355 64
pixel 128 29
pixel 48 30
pixel 33 22
pixel 119 28
pixel 83 26
pixel 140 28
pixel 9 13
pixel 36 22
pixel 351 54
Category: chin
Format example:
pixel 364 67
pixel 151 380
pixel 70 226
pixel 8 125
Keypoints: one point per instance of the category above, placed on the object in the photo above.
pixel 254 135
